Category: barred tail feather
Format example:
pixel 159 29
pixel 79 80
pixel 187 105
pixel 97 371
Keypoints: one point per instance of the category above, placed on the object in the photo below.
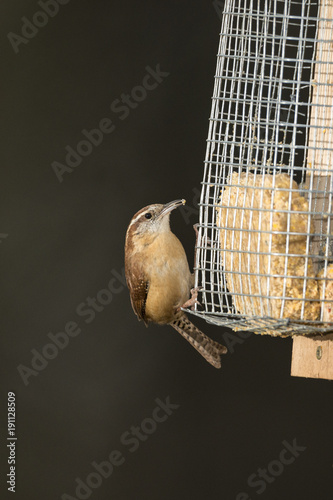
pixel 209 349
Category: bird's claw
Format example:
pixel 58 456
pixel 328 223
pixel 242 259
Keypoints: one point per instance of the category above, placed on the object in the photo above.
pixel 193 300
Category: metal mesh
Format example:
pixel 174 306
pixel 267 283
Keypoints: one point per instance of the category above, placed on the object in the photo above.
pixel 264 250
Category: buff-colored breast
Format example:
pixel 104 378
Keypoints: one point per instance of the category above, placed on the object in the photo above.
pixel 169 278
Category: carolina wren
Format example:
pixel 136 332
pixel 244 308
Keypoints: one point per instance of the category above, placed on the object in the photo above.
pixel 159 279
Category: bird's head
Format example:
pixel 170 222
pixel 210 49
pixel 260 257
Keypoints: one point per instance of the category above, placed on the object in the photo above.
pixel 152 220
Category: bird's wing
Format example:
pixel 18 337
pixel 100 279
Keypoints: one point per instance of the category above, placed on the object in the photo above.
pixel 138 286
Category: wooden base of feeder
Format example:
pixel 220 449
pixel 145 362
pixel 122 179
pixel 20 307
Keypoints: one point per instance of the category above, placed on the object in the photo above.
pixel 312 357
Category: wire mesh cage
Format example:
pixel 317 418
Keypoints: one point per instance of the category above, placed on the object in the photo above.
pixel 264 255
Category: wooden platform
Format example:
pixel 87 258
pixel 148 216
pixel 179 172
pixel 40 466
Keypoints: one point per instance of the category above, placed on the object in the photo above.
pixel 312 357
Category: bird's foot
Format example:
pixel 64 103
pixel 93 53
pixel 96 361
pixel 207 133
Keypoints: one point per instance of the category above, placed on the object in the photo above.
pixel 207 240
pixel 193 300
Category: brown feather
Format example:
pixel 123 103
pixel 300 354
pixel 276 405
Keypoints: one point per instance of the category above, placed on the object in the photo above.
pixel 209 349
pixel 138 287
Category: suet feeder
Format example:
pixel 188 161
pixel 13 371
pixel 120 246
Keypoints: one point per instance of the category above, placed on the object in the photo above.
pixel 264 255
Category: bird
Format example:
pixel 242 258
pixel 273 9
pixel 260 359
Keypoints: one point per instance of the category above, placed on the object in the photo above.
pixel 159 279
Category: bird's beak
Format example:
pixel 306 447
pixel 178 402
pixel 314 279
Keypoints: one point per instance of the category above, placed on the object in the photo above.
pixel 168 207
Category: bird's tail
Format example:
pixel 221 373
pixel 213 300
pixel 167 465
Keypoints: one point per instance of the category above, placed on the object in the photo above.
pixel 209 349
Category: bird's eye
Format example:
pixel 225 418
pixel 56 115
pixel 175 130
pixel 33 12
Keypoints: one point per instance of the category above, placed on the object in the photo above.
pixel 148 215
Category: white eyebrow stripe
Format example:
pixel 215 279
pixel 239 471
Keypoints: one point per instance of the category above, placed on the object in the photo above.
pixel 136 219
pixel 151 207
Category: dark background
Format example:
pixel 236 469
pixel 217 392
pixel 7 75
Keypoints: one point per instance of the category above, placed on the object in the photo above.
pixel 65 239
